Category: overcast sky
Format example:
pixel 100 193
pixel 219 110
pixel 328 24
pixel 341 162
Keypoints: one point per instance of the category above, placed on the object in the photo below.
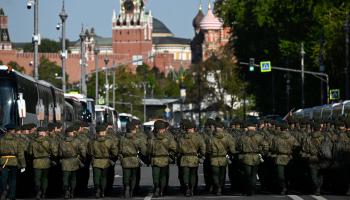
pixel 176 14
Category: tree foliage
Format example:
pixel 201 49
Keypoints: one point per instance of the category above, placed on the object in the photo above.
pixel 14 65
pixel 46 46
pixel 49 71
pixel 274 30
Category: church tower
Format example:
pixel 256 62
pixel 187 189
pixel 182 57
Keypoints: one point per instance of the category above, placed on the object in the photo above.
pixel 5 42
pixel 132 30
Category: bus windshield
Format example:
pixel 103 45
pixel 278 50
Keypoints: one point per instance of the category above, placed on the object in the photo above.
pixel 7 102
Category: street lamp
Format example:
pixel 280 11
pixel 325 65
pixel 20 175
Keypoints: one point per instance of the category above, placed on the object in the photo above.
pixel 36 35
pixel 347 28
pixel 63 15
pixel 82 37
pixel 96 52
pixel 106 60
pixel 302 53
pixel 183 98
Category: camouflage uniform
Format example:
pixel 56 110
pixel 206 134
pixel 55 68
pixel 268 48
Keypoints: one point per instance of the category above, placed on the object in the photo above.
pixel 84 172
pixel 71 152
pixel 160 147
pixel 12 158
pixel 111 171
pixel 281 149
pixel 207 135
pixel 41 150
pixel 101 149
pixel 130 147
pixel 142 137
pixel 342 148
pixel 250 146
pixel 220 146
pixel 311 149
pixel 191 147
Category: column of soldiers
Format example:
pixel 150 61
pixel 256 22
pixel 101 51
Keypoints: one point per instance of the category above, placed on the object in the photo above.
pixel 282 156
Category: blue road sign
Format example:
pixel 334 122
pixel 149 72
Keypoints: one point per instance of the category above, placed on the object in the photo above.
pixel 265 66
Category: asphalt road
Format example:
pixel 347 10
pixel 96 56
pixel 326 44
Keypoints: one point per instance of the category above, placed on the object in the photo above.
pixel 174 190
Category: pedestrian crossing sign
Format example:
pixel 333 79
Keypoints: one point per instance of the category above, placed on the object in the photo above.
pixel 334 94
pixel 265 66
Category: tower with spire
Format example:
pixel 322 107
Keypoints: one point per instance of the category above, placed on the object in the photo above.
pixel 132 29
pixel 210 35
pixel 5 42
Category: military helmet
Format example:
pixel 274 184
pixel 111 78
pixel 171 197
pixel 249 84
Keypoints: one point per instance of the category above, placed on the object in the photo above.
pixel 51 127
pixel 209 122
pixel 10 127
pixel 219 124
pixel 70 129
pixel 187 124
pixel 101 127
pixel 130 126
pixel 42 129
pixel 160 124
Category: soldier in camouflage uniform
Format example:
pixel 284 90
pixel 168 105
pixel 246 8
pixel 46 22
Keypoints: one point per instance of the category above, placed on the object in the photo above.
pixel 221 145
pixel 111 134
pixel 209 129
pixel 191 148
pixel 55 173
pixel 129 149
pixel 142 137
pixel 251 146
pixel 160 147
pixel 71 152
pixel 311 152
pixel 41 150
pixel 281 149
pixel 342 149
pixel 101 149
pixel 12 158
pixel 83 174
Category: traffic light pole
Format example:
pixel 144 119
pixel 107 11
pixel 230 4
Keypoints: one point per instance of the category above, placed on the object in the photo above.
pixel 322 76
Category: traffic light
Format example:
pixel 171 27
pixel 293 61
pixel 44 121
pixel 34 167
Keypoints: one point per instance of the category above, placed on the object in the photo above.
pixel 251 64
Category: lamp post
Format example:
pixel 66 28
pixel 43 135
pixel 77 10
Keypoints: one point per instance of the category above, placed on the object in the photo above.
pixel 36 35
pixel 347 28
pixel 63 15
pixel 183 98
pixel 96 52
pixel 114 83
pixel 144 84
pixel 106 60
pixel 302 53
pixel 82 37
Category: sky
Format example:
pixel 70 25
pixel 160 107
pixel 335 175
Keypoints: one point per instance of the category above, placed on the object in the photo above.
pixel 176 14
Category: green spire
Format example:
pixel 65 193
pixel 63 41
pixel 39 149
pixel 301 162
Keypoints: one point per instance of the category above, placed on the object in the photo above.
pixel 2 12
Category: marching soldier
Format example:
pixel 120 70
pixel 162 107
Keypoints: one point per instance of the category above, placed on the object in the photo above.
pixel 209 129
pixel 12 158
pixel 101 149
pixel 282 148
pixel 111 134
pixel 41 150
pixel 129 149
pixel 160 147
pixel 83 174
pixel 142 137
pixel 55 173
pixel 71 152
pixel 191 148
pixel 251 146
pixel 220 146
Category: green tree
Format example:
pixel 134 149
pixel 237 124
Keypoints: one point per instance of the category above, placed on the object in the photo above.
pixel 14 65
pixel 51 72
pixel 46 46
pixel 274 30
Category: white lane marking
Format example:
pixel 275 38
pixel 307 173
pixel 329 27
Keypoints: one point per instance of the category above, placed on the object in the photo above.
pixel 117 176
pixel 221 197
pixel 148 197
pixel 295 197
pixel 318 197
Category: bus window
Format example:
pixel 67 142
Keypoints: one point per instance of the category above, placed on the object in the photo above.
pixel 7 103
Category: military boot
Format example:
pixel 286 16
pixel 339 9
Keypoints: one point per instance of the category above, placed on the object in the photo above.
pixel 127 192
pixel 188 191
pixel 72 194
pixel 156 192
pixel 66 194
pixel 318 191
pixel 3 195
pixel 219 192
pixel 98 193
pixel 132 192
pixel 38 195
pixel 348 192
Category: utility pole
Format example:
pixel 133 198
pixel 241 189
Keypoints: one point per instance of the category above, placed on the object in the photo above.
pixel 96 52
pixel 106 79
pixel 302 52
pixel 347 56
pixel 114 84
pixel 144 84
pixel 35 36
pixel 63 15
pixel 82 62
pixel 322 67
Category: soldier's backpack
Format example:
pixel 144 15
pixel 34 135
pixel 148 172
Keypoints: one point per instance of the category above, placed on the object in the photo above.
pixel 326 149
